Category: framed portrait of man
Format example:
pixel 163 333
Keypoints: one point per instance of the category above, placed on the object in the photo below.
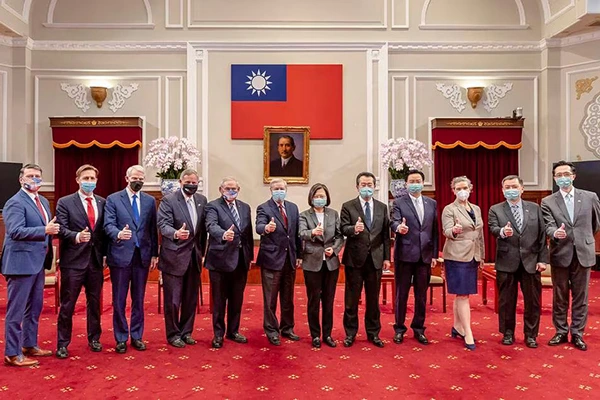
pixel 286 153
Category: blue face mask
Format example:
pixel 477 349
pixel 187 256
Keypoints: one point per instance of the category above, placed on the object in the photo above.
pixel 366 192
pixel 564 181
pixel 414 187
pixel 230 195
pixel 34 185
pixel 278 195
pixel 319 202
pixel 511 194
pixel 88 187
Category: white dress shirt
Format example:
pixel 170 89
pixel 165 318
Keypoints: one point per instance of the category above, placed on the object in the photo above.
pixel 32 196
pixel 418 203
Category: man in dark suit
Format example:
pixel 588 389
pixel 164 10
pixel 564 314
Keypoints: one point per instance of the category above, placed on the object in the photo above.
pixel 365 222
pixel 415 222
pixel 572 218
pixel 286 164
pixel 230 252
pixel 278 258
pixel 130 224
pixel 82 249
pixel 26 253
pixel 521 256
pixel 181 224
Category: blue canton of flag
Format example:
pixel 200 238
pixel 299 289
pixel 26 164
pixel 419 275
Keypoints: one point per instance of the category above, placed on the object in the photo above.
pixel 260 82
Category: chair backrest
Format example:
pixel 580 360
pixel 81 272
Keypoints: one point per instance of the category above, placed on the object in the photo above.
pixel 52 269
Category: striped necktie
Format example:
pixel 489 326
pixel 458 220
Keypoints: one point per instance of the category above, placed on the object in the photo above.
pixel 235 214
pixel 517 215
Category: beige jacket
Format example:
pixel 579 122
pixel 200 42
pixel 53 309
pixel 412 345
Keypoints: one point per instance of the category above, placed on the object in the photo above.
pixel 468 244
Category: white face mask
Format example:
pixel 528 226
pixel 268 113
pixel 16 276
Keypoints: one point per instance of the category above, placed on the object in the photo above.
pixel 463 194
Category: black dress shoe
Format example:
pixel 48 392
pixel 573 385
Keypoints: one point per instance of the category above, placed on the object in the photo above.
pixel 399 338
pixel 177 343
pixel 578 342
pixel 330 342
pixel 508 339
pixel 274 340
pixel 217 342
pixel 316 343
pixel 558 339
pixel 95 346
pixel 349 341
pixel 62 353
pixel 138 344
pixel 238 338
pixel 531 343
pixel 376 341
pixel 421 338
pixel 188 339
pixel 290 335
pixel 121 347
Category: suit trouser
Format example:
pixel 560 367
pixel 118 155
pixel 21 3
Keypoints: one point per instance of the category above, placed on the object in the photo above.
pixel 576 279
pixel 228 294
pixel 355 278
pixel 71 281
pixel 136 275
pixel 25 301
pixel 418 275
pixel 278 284
pixel 531 287
pixel 181 300
pixel 320 290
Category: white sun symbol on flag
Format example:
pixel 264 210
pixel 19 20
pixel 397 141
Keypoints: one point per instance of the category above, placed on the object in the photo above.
pixel 259 82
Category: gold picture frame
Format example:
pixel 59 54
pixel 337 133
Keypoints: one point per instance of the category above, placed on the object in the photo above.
pixel 295 141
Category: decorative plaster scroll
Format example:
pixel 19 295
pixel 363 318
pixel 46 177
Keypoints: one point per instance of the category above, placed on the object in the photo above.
pixel 79 94
pixel 121 93
pixel 493 94
pixel 454 93
pixel 590 126
pixel 584 86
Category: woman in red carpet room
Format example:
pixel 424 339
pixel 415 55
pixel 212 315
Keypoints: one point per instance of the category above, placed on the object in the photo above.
pixel 463 251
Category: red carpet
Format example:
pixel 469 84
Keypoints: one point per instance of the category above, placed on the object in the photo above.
pixel 442 370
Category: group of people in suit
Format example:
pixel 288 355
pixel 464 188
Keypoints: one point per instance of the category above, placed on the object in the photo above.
pixel 123 229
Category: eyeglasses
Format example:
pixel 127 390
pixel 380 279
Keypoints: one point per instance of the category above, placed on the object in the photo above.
pixel 565 174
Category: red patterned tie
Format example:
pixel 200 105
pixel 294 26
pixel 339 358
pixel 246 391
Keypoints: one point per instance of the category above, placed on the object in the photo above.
pixel 91 213
pixel 39 206
pixel 283 215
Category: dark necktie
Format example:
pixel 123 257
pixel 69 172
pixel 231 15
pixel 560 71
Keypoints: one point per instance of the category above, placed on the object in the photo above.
pixel 283 215
pixel 235 214
pixel 517 215
pixel 368 218
pixel 91 213
pixel 38 203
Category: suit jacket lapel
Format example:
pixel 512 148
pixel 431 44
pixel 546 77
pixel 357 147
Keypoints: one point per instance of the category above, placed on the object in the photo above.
pixel 128 206
pixel 411 205
pixel 525 215
pixel 225 206
pixel 464 212
pixel 576 204
pixel 182 201
pixel 560 202
pixel 79 207
pixel 511 217
pixel 361 212
pixel 275 209
pixel 100 204
pixel 313 216
pixel 31 203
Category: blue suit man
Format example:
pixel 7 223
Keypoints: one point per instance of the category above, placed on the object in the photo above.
pixel 279 254
pixel 415 222
pixel 130 224
pixel 26 253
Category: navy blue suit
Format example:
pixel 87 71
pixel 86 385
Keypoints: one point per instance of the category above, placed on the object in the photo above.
pixel 413 253
pixel 129 260
pixel 27 251
pixel 277 261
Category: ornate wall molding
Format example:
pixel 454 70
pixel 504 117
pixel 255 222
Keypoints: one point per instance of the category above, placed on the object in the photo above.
pixel 454 93
pixel 149 24
pixel 79 94
pixel 120 93
pixel 493 94
pixel 590 126
pixel 584 86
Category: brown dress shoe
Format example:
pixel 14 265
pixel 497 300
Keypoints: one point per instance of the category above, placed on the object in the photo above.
pixel 20 361
pixel 36 352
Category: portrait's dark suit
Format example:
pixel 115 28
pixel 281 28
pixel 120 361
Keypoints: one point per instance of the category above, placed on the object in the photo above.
pixel 277 261
pixel 129 260
pixel 293 167
pixel 320 272
pixel 413 253
pixel 81 265
pixel 228 262
pixel 516 259
pixel 363 261
pixel 571 257
pixel 181 260
pixel 27 251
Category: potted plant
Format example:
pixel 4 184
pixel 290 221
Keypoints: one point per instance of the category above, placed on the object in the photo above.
pixel 399 156
pixel 171 156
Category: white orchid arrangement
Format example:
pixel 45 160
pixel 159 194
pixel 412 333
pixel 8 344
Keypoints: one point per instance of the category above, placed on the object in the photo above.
pixel 171 156
pixel 401 155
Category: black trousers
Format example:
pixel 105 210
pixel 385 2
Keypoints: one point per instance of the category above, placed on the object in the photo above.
pixel 278 284
pixel 531 287
pixel 355 278
pixel 320 291
pixel 418 275
pixel 228 294
pixel 71 282
pixel 181 300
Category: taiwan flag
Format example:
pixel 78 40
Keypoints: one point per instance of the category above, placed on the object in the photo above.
pixel 286 95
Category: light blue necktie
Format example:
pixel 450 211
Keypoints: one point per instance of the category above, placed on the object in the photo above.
pixel 368 218
pixel 236 216
pixel 136 216
pixel 193 215
pixel 570 206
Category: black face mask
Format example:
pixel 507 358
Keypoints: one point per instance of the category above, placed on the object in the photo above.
pixel 136 186
pixel 190 189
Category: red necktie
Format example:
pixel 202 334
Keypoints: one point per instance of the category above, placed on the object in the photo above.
pixel 285 220
pixel 39 206
pixel 91 213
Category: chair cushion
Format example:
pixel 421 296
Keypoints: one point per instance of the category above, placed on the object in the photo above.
pixel 436 280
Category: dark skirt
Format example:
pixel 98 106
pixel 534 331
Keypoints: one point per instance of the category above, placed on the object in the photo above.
pixel 461 277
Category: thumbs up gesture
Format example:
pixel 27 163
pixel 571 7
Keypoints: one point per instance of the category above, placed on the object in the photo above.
pixel 229 233
pixel 508 230
pixel 52 227
pixel 271 226
pixel 457 228
pixel 560 233
pixel 402 228
pixel 124 234
pixel 359 226
pixel 318 231
pixel 182 233
pixel 85 235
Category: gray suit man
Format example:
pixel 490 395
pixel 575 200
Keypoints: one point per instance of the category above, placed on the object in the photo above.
pixel 572 218
pixel 521 255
